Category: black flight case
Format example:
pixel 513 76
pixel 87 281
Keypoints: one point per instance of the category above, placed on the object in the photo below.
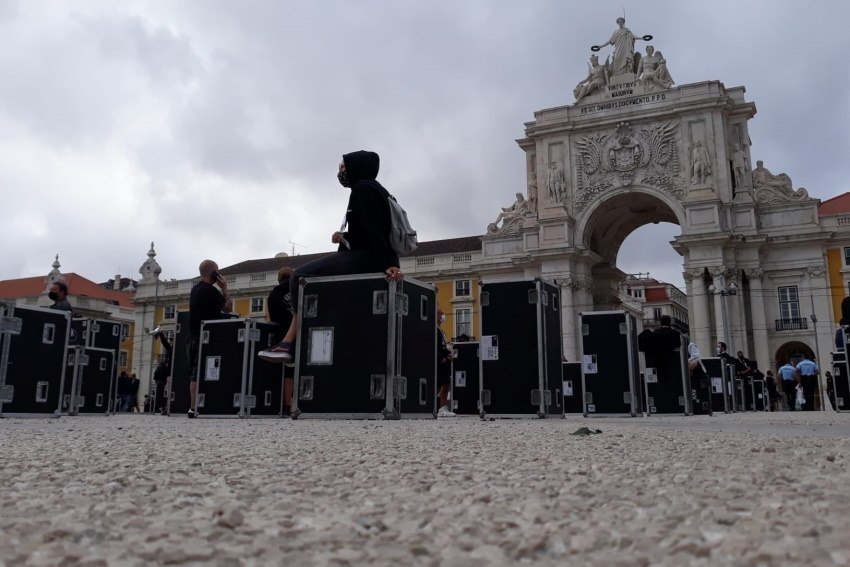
pixel 265 379
pixel 840 381
pixel 92 371
pixel 521 350
pixel 224 356
pixel 666 379
pixel 720 379
pixel 465 383
pixel 33 347
pixel 101 334
pixel 365 348
pixel 177 392
pixel 573 394
pixel 610 368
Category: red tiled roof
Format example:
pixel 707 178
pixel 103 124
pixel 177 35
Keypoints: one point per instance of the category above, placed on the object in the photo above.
pixel 77 286
pixel 838 205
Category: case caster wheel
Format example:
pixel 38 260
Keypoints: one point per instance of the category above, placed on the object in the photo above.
pixel 295 414
pixel 483 416
pixel 541 415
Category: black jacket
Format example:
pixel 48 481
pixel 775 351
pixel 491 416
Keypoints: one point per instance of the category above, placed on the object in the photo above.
pixel 368 213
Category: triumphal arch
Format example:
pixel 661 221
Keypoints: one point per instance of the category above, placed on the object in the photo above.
pixel 636 148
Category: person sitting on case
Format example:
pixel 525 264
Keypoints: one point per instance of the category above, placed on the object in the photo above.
pixel 364 248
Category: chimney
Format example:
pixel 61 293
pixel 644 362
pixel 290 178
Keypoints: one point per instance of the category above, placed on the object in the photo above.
pixel 116 283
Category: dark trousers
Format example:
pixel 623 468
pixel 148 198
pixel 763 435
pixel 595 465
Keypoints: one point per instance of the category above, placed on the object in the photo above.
pixel 789 389
pixel 342 263
pixel 810 385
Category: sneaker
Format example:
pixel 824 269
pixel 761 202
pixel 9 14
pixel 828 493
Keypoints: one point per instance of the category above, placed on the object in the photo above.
pixel 191 414
pixel 445 412
pixel 281 352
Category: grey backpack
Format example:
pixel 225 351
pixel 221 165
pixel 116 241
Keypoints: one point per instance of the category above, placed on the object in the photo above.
pixel 402 236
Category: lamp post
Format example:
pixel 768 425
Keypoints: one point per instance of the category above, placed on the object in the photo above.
pixel 817 354
pixel 731 289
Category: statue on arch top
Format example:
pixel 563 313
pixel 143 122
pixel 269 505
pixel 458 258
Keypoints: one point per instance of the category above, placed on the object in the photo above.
pixel 625 60
pixel 652 70
pixel 597 78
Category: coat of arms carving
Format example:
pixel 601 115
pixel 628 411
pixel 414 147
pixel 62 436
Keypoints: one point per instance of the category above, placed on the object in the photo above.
pixel 629 155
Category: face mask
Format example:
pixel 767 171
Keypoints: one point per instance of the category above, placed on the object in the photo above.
pixel 53 296
pixel 343 179
pixel 442 319
pixel 717 350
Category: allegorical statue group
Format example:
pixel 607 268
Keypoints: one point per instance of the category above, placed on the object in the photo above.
pixel 650 70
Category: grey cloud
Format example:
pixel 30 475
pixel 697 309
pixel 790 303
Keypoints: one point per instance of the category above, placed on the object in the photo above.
pixel 246 105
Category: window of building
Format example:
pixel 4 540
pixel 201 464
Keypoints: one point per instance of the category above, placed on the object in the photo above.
pixel 463 322
pixel 789 302
pixel 462 288
pixel 847 256
pixel 125 331
pixel 656 313
pixel 122 359
pixel 169 311
pixel 258 304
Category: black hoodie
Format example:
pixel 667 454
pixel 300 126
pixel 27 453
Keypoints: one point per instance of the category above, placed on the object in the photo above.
pixel 368 212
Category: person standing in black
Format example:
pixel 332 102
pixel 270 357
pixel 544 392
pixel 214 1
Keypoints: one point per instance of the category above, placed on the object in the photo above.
pixel 363 248
pixel 280 312
pixel 205 303
pixel 444 368
pixel 163 370
pixel 59 295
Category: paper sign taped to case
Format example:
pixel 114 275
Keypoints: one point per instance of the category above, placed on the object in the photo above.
pixel 213 368
pixel 716 385
pixel 651 376
pixel 460 378
pixel 320 349
pixel 588 362
pixel 568 388
pixel 490 347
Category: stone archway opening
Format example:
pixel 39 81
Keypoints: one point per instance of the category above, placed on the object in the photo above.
pixel 607 228
pixel 793 352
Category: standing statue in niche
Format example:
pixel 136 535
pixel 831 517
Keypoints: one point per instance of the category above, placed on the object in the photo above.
pixel 652 70
pixel 739 168
pixel 555 182
pixel 700 164
pixel 623 41
pixel 597 78
pixel 762 177
pixel 519 208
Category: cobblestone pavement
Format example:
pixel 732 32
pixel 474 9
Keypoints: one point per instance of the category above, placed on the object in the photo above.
pixel 744 489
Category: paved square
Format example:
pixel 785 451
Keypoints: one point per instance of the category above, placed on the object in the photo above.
pixel 748 489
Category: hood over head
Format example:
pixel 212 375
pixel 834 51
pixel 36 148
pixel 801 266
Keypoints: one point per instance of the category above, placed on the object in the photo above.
pixel 361 165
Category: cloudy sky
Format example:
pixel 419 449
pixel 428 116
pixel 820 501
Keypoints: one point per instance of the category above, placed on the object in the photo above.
pixel 214 128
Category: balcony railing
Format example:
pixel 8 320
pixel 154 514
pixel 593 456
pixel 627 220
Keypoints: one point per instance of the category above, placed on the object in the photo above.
pixel 795 324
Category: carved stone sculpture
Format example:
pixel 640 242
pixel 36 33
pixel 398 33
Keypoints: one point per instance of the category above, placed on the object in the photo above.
pixel 652 70
pixel 555 182
pixel 597 78
pixel 770 188
pixel 739 167
pixel 623 41
pixel 510 217
pixel 645 155
pixel 700 164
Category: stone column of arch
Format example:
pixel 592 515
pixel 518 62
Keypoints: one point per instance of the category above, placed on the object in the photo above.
pixel 569 317
pixel 718 276
pixel 762 352
pixel 698 312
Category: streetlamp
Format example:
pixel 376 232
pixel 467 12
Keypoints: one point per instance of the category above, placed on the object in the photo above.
pixel 731 289
pixel 817 354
